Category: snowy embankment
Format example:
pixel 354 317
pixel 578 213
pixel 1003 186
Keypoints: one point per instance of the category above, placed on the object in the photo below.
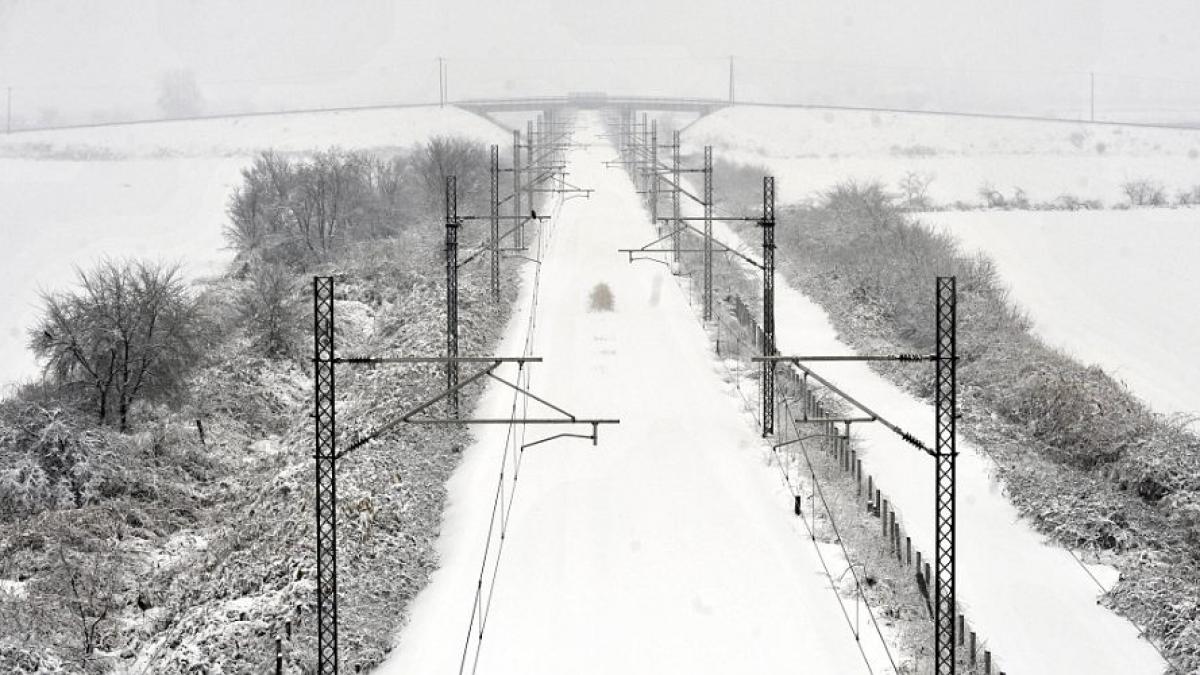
pixel 1105 286
pixel 1113 288
pixel 156 190
pixel 1033 602
pixel 667 548
pixel 811 150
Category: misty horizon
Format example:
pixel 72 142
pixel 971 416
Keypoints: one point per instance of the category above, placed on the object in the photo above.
pixel 110 62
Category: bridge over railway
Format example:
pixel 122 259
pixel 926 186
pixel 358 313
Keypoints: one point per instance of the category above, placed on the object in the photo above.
pixel 592 100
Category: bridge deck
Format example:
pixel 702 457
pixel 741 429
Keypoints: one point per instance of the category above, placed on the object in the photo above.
pixel 593 101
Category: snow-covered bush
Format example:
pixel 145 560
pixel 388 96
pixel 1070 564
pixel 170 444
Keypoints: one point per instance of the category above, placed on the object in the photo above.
pixel 1189 197
pixel 992 198
pixel 271 307
pixel 46 457
pixel 1084 417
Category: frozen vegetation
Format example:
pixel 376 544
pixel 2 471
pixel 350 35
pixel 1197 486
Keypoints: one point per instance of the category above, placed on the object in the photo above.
pixel 1080 456
pixel 156 191
pixel 159 520
pixel 167 527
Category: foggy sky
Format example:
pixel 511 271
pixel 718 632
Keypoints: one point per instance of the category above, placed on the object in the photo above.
pixel 76 56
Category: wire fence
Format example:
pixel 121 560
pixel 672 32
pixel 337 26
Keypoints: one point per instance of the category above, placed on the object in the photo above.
pixel 801 400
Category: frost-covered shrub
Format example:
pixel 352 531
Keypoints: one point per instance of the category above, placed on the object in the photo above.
pixel 1067 202
pixel 992 198
pixel 1189 197
pixel 46 457
pixel 271 309
pixel 1084 417
pixel 25 488
pixel 861 235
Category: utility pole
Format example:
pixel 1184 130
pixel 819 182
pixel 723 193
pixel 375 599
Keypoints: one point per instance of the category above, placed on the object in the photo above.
pixel 708 223
pixel 518 214
pixel 945 454
pixel 644 137
pixel 654 175
pixel 452 292
pixel 1093 79
pixel 731 80
pixel 675 226
pixel 495 214
pixel 530 141
pixel 441 83
pixel 767 381
pixel 326 457
pixel 328 452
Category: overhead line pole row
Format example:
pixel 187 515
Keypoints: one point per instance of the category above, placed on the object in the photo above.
pixel 325 360
pixel 638 148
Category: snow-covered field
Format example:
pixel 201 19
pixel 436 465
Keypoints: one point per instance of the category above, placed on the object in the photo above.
pixel 1115 288
pixel 811 150
pixel 293 132
pixel 667 548
pixel 160 192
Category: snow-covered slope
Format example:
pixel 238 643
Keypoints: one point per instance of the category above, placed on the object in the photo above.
pixel 291 132
pixel 667 548
pixel 1116 288
pixel 801 132
pixel 810 150
pixel 161 193
pixel 1033 602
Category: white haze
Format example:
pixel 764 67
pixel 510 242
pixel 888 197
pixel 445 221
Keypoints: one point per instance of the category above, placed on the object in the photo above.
pixel 72 62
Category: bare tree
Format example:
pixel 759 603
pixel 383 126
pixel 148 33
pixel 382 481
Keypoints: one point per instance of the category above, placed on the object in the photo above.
pixel 90 592
pixel 295 212
pixel 914 189
pixel 130 330
pixel 1144 192
pixel 328 201
pixel 451 156
pixel 256 209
